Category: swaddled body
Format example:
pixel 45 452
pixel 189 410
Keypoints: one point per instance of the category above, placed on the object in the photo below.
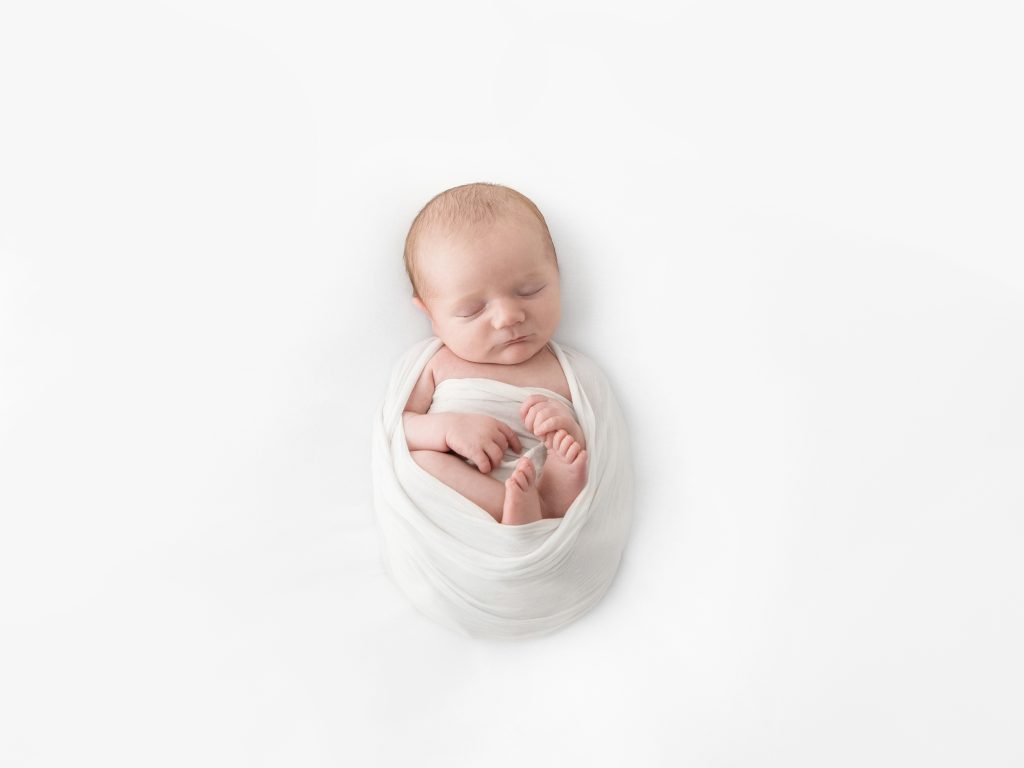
pixel 492 419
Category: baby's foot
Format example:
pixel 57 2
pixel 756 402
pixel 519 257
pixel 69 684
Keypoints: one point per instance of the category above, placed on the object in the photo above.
pixel 522 501
pixel 565 473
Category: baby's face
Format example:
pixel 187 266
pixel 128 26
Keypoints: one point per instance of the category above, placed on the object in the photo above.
pixel 486 289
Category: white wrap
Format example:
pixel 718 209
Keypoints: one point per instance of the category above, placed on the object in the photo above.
pixel 465 570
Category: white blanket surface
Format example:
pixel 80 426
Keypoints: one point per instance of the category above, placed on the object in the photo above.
pixel 452 559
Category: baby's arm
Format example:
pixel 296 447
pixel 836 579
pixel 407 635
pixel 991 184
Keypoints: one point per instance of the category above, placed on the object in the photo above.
pixel 478 437
pixel 424 431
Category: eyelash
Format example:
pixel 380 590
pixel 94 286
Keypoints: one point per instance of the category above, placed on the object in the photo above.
pixel 523 295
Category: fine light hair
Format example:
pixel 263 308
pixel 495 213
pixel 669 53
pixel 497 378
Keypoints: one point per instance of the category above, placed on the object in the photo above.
pixel 464 208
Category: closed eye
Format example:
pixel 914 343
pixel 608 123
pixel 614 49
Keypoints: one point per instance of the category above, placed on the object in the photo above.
pixel 534 293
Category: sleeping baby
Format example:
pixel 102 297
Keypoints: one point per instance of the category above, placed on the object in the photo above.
pixel 492 416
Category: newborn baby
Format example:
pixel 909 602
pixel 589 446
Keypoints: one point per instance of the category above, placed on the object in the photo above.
pixel 483 269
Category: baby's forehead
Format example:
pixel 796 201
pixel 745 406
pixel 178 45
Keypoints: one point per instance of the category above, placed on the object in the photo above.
pixel 466 280
pixel 440 242
pixel 463 255
pixel 462 230
pixel 462 278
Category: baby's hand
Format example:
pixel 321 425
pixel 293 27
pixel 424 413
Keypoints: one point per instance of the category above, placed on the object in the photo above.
pixel 544 416
pixel 480 438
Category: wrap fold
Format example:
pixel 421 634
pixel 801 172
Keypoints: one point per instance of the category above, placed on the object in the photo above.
pixel 466 571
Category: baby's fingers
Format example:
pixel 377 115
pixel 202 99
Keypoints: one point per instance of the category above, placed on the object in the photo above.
pixel 528 403
pixel 494 453
pixel 547 423
pixel 511 436
pixel 482 462
pixel 531 415
pixel 535 407
pixel 538 413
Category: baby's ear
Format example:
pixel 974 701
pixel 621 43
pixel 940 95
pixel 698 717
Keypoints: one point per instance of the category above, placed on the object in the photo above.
pixel 420 305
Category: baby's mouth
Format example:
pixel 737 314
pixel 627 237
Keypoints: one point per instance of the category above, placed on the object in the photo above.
pixel 518 339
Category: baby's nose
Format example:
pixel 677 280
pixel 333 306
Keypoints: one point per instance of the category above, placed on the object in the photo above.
pixel 508 314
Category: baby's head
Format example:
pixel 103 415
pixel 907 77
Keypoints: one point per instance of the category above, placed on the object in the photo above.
pixel 484 270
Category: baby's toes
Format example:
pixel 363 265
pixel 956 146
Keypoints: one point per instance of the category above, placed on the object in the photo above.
pixel 554 439
pixel 516 482
pixel 526 467
pixel 523 474
pixel 564 440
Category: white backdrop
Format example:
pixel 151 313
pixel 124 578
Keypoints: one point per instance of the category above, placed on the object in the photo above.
pixel 790 233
